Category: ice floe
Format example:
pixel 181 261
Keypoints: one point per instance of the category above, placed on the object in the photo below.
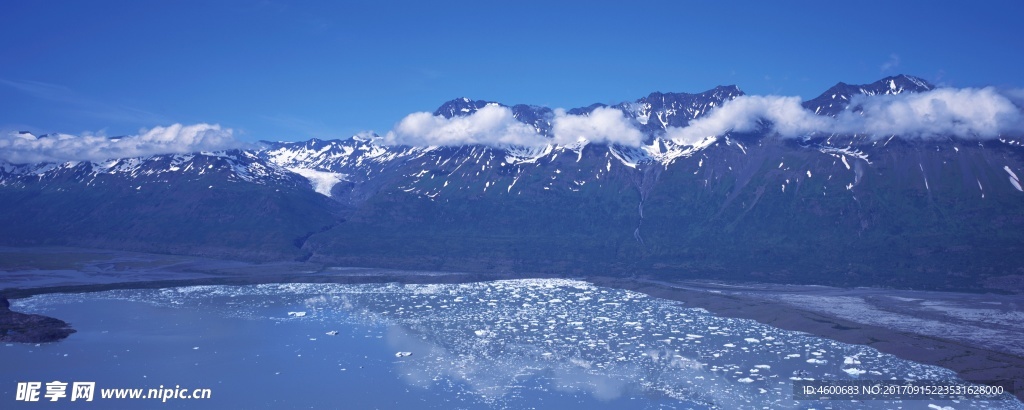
pixel 503 338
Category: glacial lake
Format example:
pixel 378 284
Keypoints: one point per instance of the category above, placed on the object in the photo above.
pixel 516 344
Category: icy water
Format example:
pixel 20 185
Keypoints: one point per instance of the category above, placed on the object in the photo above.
pixel 506 344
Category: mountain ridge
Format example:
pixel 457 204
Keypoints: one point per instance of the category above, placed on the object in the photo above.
pixel 826 209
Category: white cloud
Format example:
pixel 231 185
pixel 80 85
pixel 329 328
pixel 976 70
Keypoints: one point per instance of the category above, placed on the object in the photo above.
pixel 745 113
pixel 177 138
pixel 496 126
pixel 945 112
pixel 490 125
pixel 964 113
pixel 603 126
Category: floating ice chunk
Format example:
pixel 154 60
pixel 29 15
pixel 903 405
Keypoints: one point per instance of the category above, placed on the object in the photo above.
pixel 746 380
pixel 853 371
pixel 297 314
pixel 332 333
pixel 403 354
pixel 816 361
pixel 751 340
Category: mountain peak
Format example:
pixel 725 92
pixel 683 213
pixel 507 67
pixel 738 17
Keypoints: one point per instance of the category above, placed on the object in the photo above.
pixel 731 88
pixel 837 98
pixel 899 83
pixel 460 107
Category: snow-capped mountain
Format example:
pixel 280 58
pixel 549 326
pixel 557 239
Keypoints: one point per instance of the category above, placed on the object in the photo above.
pixel 821 208
pixel 354 161
pixel 228 166
pixel 836 99
pixel 229 203
pixel 652 114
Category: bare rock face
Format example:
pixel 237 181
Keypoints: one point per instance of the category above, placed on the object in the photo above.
pixel 27 328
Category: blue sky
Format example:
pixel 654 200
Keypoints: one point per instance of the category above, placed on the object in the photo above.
pixel 288 71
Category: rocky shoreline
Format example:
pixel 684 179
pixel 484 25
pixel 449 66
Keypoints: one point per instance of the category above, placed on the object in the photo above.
pixel 20 327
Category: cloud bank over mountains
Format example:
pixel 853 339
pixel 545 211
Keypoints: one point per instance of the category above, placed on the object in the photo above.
pixel 945 112
pixel 746 113
pixel 496 125
pixel 965 113
pixel 968 113
pixel 173 139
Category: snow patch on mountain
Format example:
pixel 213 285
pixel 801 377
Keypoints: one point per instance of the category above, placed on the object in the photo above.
pixel 846 151
pixel 519 154
pixel 661 151
pixel 1013 178
pixel 322 181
